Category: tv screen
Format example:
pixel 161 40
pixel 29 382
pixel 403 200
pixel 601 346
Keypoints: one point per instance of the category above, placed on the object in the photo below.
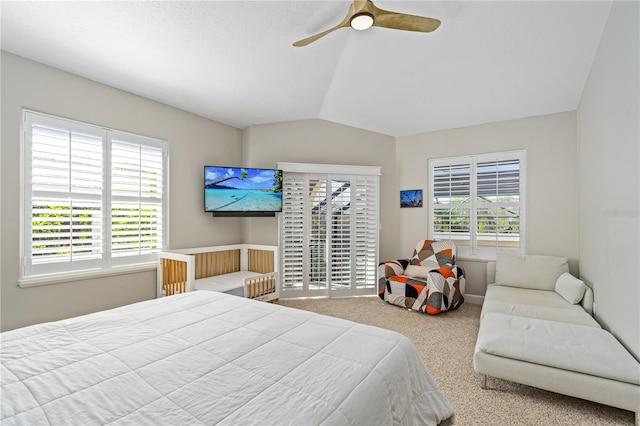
pixel 242 190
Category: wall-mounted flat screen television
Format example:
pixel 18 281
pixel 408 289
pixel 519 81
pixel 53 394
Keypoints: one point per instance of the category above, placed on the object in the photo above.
pixel 242 191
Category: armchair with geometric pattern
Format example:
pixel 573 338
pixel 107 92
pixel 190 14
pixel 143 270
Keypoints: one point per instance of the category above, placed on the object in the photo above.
pixel 428 282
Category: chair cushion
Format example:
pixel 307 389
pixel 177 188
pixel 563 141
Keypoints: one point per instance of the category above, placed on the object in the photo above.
pixel 418 271
pixel 530 271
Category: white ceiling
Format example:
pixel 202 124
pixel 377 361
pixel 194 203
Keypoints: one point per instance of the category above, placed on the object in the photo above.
pixel 233 62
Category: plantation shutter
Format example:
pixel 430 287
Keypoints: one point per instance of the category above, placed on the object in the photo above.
pixel 292 241
pixel 339 213
pixel 478 202
pixel 63 197
pixel 136 197
pixel 316 235
pixel 365 209
pixel 498 204
pixel 93 198
pixel 328 231
pixel 452 202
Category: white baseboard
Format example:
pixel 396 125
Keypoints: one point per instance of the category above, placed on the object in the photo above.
pixel 474 298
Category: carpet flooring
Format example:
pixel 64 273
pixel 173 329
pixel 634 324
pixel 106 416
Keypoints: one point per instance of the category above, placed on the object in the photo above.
pixel 446 344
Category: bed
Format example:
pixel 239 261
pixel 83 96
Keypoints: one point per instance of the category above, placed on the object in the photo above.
pixel 205 357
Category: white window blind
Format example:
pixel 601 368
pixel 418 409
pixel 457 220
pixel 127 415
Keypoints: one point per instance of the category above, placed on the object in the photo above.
pixel 90 195
pixel 137 194
pixel 338 211
pixel 292 230
pixel 365 231
pixel 328 234
pixel 451 202
pixel 478 202
pixel 317 233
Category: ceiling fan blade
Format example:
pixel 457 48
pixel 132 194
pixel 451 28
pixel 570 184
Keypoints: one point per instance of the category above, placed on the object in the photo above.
pixel 313 38
pixel 402 21
pixel 345 23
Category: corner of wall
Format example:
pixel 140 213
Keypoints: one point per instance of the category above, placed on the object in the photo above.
pixel 246 135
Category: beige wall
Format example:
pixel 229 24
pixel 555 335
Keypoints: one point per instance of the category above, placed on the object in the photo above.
pixel 324 142
pixel 550 144
pixel 193 141
pixel 609 177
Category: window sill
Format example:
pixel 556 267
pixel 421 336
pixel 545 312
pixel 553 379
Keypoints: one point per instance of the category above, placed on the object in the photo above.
pixel 485 256
pixel 47 279
pixel 473 258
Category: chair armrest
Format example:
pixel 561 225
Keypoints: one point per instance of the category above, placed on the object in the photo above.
pixel 389 268
pixel 457 270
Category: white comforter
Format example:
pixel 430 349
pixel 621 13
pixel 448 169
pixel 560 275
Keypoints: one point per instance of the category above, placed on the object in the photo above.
pixel 207 358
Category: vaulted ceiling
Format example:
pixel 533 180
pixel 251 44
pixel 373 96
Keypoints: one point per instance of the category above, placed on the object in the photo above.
pixel 233 61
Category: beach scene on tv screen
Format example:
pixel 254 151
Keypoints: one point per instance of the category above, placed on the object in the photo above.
pixel 238 189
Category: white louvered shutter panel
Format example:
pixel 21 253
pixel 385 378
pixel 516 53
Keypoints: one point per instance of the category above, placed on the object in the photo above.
pixel 451 203
pixel 339 209
pixel 63 196
pixel 498 204
pixel 137 191
pixel 365 210
pixel 294 197
pixel 316 236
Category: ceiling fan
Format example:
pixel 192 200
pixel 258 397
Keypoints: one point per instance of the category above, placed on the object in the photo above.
pixel 363 14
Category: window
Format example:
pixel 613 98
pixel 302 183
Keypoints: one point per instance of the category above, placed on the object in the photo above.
pixel 478 202
pixel 94 198
pixel 329 230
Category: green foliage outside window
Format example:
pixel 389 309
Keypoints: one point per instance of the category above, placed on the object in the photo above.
pixel 55 228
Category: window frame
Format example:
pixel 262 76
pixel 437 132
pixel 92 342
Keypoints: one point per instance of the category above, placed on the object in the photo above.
pixel 106 264
pixel 474 251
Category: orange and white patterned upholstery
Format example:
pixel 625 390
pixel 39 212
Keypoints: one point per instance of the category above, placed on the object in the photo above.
pixel 429 282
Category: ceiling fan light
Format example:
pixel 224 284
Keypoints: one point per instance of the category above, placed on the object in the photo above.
pixel 362 21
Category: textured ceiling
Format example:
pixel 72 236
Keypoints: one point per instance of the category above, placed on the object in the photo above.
pixel 233 62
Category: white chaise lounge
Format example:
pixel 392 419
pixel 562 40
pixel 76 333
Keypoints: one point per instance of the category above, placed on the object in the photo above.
pixel 536 329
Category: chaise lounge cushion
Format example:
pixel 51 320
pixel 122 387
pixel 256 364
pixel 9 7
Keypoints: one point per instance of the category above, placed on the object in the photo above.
pixel 572 347
pixel 530 303
pixel 529 271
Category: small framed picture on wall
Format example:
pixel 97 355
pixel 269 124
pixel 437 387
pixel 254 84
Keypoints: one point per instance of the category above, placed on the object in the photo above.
pixel 411 198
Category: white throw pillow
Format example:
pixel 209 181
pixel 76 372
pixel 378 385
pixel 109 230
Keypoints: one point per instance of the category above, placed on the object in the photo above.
pixel 530 271
pixel 417 271
pixel 570 288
